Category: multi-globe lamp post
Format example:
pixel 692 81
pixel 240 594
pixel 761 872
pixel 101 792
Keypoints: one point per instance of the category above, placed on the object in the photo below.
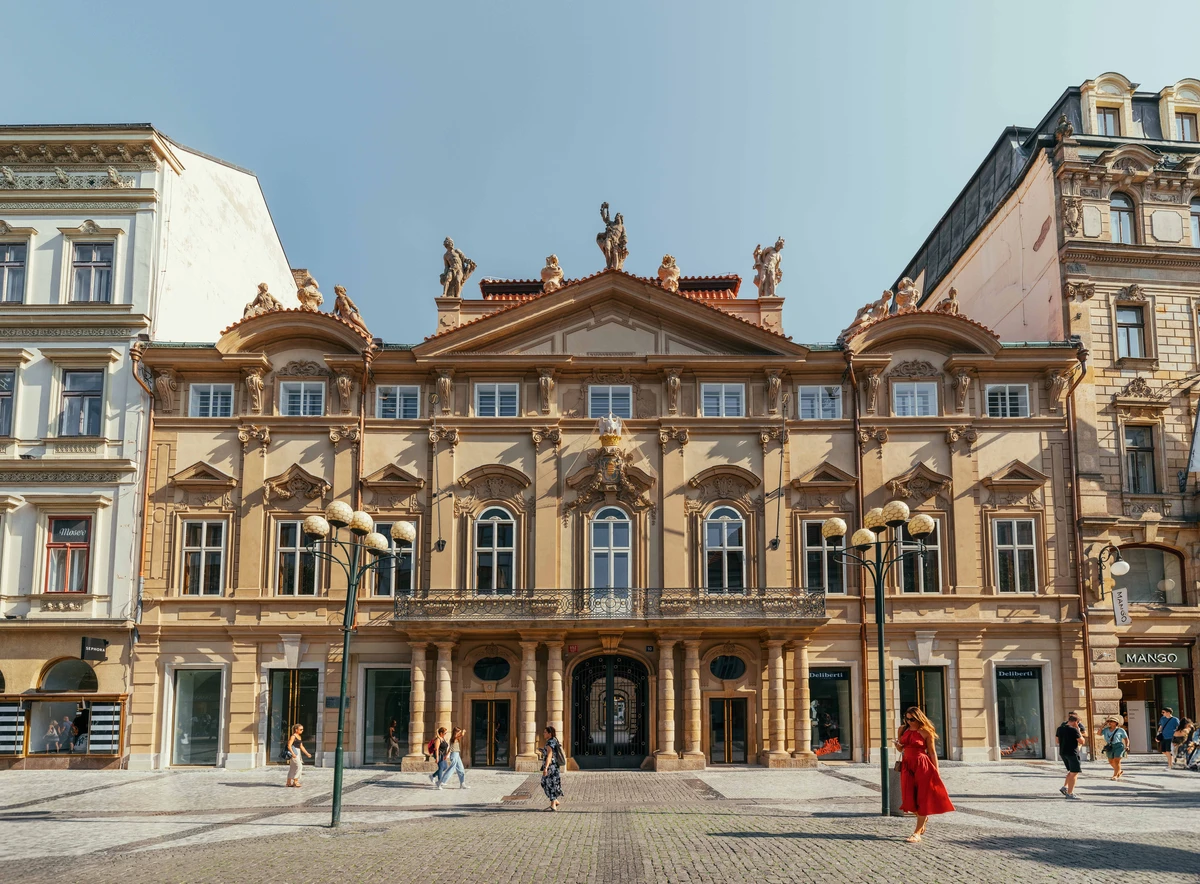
pixel 888 553
pixel 364 551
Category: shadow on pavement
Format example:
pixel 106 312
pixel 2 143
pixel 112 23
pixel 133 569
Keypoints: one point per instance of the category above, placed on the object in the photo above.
pixel 1112 854
pixel 813 836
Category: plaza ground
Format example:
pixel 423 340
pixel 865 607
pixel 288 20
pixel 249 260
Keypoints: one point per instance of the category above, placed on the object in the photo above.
pixel 741 824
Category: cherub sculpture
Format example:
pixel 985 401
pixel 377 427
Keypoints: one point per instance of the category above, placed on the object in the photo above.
pixel 309 294
pixel 552 275
pixel 668 274
pixel 907 295
pixel 949 304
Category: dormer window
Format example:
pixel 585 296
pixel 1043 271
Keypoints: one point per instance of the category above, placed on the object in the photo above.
pixel 1108 121
pixel 1120 218
pixel 1185 127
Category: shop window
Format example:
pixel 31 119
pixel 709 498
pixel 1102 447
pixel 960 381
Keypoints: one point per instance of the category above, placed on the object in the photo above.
pixel 1008 400
pixel 12 272
pixel 92 266
pixel 1139 460
pixel 1155 576
pixel 296 567
pixel 604 400
pixel 1019 712
pixel 67 549
pixel 823 568
pixel 69 676
pixel 819 403
pixel 727 667
pixel 492 669
pixel 292 697
pixel 398 403
pixel 203 558
pixel 914 399
pixel 302 398
pixel 723 400
pixel 82 403
pixel 385 724
pixel 923 576
pixel 925 688
pixel 1016 555
pixel 1120 218
pixel 8 381
pixel 210 400
pixel 74 727
pixel 197 734
pixel 12 728
pixel 829 710
pixel 496 400
pixel 725 551
pixel 495 553
pixel 394 575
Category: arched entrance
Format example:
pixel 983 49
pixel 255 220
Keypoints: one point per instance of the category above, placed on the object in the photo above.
pixel 610 712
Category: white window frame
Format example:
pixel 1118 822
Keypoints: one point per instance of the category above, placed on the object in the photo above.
pixel 11 398
pixel 497 389
pixel 494 550
pixel 826 552
pixel 195 391
pixel 723 550
pixel 96 267
pixel 401 392
pixel 611 551
pixel 407 551
pixel 64 395
pixel 724 391
pixel 90 233
pixel 824 397
pixel 916 386
pixel 1016 547
pixel 304 387
pixel 202 549
pixel 936 547
pixel 299 550
pixel 608 390
pixel 1005 391
pixel 8 265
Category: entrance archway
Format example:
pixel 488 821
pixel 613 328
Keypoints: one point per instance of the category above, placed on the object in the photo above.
pixel 610 712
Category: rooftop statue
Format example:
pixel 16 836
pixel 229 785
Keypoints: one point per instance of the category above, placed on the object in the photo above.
pixel 552 275
pixel 345 309
pixel 949 305
pixel 668 274
pixel 767 272
pixel 613 241
pixel 458 270
pixel 1064 130
pixel 907 295
pixel 264 302
pixel 309 295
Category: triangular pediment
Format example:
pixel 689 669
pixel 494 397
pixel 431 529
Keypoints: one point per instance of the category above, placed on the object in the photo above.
pixel 1015 474
pixel 201 474
pixel 392 478
pixel 824 474
pixel 611 314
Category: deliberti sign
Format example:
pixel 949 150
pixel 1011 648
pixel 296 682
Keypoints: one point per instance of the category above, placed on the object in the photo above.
pixel 1153 658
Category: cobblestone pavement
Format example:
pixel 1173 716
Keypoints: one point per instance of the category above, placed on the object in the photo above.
pixel 709 826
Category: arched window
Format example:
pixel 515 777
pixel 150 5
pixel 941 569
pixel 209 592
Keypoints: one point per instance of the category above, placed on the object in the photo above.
pixel 611 557
pixel 1196 223
pixel 69 676
pixel 725 550
pixel 495 533
pixel 1155 576
pixel 1120 218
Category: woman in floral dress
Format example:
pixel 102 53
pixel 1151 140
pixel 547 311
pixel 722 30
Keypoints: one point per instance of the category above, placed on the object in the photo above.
pixel 551 779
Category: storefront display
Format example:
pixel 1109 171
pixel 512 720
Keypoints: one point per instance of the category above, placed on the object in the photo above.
pixel 1019 712
pixel 385 724
pixel 197 717
pixel 1153 678
pixel 829 699
pixel 925 688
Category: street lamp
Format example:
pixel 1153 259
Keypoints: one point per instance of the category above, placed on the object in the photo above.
pixel 363 552
pixel 888 553
pixel 1119 568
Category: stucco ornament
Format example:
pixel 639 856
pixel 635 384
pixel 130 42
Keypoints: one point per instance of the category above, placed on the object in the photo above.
pixel 907 295
pixel 445 389
pixel 545 389
pixel 774 384
pixel 458 269
pixel 949 304
pixel 345 309
pixel 767 270
pixel 166 385
pixel 552 275
pixel 673 384
pixel 345 386
pixel 264 302
pixel 612 241
pixel 254 388
pixel 668 274
pixel 309 295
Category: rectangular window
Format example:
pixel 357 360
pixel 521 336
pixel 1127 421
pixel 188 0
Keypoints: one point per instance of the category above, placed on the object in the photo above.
pixel 830 707
pixel 822 565
pixel 12 272
pixel 1019 711
pixel 723 400
pixel 197 717
pixel 8 381
pixel 924 576
pixel 1185 127
pixel 1139 460
pixel 394 576
pixel 81 403
pixel 75 727
pixel 496 400
pixel 914 399
pixel 67 549
pixel 385 737
pixel 12 728
pixel 203 558
pixel 92 264
pixel 302 399
pixel 1108 121
pixel 210 400
pixel 296 567
pixel 398 403
pixel 606 400
pixel 820 403
pixel 1008 400
pixel 1016 555
pixel 1131 333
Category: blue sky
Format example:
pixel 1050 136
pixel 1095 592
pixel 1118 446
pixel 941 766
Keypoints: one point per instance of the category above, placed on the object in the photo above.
pixel 377 129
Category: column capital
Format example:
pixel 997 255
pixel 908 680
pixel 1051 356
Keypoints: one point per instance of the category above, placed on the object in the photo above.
pixel 555 645
pixel 418 647
pixel 446 644
pixel 692 644
pixel 776 644
pixel 669 640
pixel 529 646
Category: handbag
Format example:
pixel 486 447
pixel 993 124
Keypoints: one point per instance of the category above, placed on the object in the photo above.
pixel 559 758
pixel 898 766
pixel 286 754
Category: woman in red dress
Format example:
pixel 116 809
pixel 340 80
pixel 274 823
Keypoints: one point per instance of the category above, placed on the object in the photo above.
pixel 920 784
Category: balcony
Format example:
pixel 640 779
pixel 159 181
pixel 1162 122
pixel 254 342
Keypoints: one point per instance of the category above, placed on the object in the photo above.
pixel 608 605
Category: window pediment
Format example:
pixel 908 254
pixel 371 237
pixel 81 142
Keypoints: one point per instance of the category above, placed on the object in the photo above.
pixel 295 484
pixel 492 482
pixel 1138 399
pixel 725 482
pixel 1015 484
pixel 610 472
pixel 823 486
pixel 202 475
pixel 921 483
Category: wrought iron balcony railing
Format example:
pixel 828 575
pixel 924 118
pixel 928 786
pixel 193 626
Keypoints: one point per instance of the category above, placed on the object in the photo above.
pixel 611 604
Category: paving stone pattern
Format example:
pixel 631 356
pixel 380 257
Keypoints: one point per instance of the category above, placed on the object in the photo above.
pixel 710 826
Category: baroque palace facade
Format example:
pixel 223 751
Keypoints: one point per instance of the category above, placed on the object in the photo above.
pixel 658 591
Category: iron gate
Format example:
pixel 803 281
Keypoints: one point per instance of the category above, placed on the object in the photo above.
pixel 609 712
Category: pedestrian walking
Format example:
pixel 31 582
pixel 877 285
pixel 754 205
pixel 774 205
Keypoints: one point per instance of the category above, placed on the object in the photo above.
pixel 454 760
pixel 292 755
pixel 921 786
pixel 1178 742
pixel 439 749
pixel 393 742
pixel 553 761
pixel 1116 744
pixel 1167 725
pixel 1070 738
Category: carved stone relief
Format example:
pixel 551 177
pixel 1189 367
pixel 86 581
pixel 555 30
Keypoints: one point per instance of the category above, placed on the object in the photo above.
pixel 914 368
pixel 165 385
pixel 295 483
pixel 254 389
pixel 349 433
pixel 254 432
pixel 1081 290
pixel 502 484
pixel 344 384
pixel 962 385
pixel 673 383
pixel 920 484
pixel 546 434
pixel 1056 385
pixel 545 389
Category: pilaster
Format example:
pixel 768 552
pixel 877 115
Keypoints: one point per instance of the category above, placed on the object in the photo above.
pixel 527 750
pixel 415 759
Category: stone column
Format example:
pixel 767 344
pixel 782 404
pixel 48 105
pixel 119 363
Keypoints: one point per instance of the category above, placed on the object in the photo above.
pixel 803 752
pixel 415 759
pixel 554 678
pixel 527 753
pixel 666 757
pixel 691 700
pixel 778 707
pixel 445 687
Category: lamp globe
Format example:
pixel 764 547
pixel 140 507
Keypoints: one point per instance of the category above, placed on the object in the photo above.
pixel 921 525
pixel 376 543
pixel 361 523
pixel 873 519
pixel 404 532
pixel 1120 568
pixel 862 539
pixel 895 513
pixel 834 529
pixel 316 526
pixel 338 513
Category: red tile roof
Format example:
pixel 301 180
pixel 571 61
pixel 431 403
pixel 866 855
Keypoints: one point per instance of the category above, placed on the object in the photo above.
pixel 328 317
pixel 851 334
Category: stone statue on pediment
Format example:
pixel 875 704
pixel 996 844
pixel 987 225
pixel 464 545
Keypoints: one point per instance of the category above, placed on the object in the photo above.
pixel 458 269
pixel 264 302
pixel 668 274
pixel 552 275
pixel 907 295
pixel 309 295
pixel 345 309
pixel 767 270
pixel 949 304
pixel 612 241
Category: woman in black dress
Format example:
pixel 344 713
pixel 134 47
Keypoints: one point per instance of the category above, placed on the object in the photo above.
pixel 551 779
